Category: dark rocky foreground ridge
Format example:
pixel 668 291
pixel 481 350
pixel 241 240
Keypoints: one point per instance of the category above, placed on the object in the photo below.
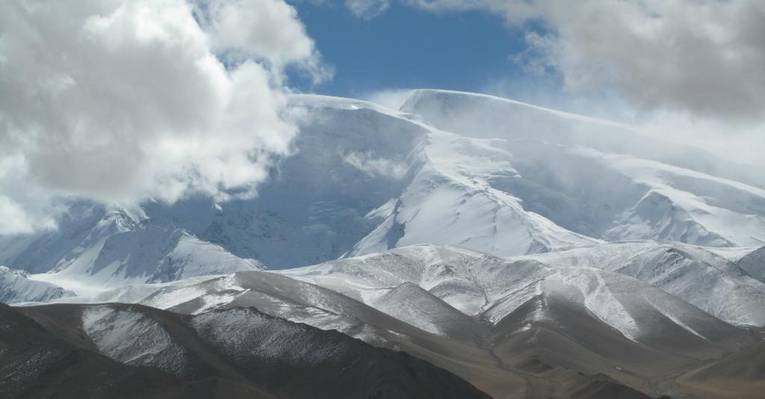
pixel 130 351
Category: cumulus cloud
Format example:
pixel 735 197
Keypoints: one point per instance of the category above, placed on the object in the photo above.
pixel 120 101
pixel 265 30
pixel 697 56
pixel 703 57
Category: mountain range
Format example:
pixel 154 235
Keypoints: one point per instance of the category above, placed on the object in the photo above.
pixel 509 250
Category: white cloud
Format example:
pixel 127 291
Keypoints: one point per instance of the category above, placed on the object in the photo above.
pixel 264 30
pixel 120 101
pixel 699 56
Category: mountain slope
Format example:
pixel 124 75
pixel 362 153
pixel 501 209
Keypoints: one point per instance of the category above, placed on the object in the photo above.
pixel 15 286
pixel 36 362
pixel 602 179
pixel 754 264
pixel 695 275
pixel 450 201
pixel 740 375
pixel 244 348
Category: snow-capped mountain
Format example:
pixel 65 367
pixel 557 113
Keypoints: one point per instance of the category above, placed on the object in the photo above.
pixel 364 179
pixel 531 252
pixel 113 248
pixel 451 168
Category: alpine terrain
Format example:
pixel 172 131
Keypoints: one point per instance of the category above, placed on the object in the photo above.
pixel 461 246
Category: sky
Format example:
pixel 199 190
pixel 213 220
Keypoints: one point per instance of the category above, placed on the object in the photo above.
pixel 407 47
pixel 122 101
